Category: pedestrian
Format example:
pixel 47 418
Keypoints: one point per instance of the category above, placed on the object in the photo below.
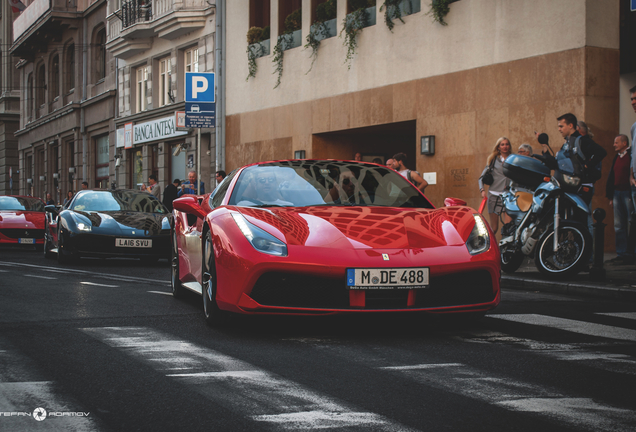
pixel 84 185
pixel 170 193
pixel 49 199
pixel 190 186
pixel 389 163
pixel 584 129
pixel 414 177
pixel 494 163
pixel 377 161
pixel 525 150
pixel 357 157
pixel 220 175
pixel 618 191
pixel 69 197
pixel 632 175
pixel 153 187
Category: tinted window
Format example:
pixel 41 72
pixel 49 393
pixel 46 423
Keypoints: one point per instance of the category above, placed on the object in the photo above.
pixel 216 198
pixel 21 203
pixel 104 201
pixel 327 183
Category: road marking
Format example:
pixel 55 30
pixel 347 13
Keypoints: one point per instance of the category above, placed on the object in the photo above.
pixel 85 272
pixel 39 277
pixel 580 327
pixel 161 292
pixel 422 366
pixel 628 315
pixel 101 285
pixel 4 271
pixel 239 386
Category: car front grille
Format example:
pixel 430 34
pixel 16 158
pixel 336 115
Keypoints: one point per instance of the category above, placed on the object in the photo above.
pixel 16 233
pixel 292 290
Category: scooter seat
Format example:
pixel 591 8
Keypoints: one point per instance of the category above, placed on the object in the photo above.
pixel 524 200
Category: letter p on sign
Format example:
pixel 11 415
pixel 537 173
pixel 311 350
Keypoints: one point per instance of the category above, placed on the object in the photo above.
pixel 199 87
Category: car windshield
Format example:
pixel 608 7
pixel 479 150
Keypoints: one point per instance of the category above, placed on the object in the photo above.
pixel 327 183
pixel 105 201
pixel 21 203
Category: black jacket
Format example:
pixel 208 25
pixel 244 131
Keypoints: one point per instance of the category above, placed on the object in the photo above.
pixel 169 195
pixel 593 152
pixel 609 187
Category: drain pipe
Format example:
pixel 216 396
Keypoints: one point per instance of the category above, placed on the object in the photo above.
pixel 82 119
pixel 219 66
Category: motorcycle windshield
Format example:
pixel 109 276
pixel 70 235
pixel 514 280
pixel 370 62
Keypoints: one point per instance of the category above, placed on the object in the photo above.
pixel 568 166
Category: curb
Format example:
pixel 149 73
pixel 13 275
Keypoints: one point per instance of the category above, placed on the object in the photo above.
pixel 574 288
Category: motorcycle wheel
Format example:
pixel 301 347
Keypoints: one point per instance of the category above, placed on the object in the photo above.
pixel 575 246
pixel 511 260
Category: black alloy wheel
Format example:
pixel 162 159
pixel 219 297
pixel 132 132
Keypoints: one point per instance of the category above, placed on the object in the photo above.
pixel 213 315
pixel 177 288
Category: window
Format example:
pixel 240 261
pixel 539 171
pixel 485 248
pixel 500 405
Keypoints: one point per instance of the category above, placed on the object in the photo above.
pixel 191 58
pixel 165 76
pixel 100 55
pixel 101 162
pixel 40 87
pixel 28 95
pixel 55 77
pixel 142 83
pixel 70 68
pixel 259 13
pixel 137 171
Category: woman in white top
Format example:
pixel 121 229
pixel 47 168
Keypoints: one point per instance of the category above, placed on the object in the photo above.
pixel 500 152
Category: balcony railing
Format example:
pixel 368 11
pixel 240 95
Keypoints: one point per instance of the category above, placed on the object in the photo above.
pixel 134 11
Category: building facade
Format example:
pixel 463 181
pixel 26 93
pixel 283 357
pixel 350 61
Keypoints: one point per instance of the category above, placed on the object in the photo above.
pixel 67 105
pixel 155 43
pixel 499 68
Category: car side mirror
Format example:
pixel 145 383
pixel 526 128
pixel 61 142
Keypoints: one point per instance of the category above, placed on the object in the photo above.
pixel 52 209
pixel 189 204
pixel 448 202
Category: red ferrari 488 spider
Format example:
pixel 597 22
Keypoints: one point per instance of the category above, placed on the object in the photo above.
pixel 324 237
pixel 22 220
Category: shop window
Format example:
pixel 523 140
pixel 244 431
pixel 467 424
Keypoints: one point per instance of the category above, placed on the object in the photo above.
pixel 137 171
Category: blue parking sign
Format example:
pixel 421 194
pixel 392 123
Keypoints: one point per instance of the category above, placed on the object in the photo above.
pixel 199 87
pixel 633 4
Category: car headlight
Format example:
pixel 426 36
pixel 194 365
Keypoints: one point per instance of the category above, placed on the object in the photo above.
pixel 261 240
pixel 479 240
pixel 571 180
pixel 83 227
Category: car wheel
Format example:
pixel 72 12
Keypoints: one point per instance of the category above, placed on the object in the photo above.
pixel 47 244
pixel 213 315
pixel 177 288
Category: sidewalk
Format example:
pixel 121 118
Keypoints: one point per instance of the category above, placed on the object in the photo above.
pixel 619 282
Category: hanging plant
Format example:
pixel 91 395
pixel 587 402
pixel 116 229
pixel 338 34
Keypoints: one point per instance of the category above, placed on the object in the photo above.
pixel 352 26
pixel 292 23
pixel 319 30
pixel 392 12
pixel 439 10
pixel 255 49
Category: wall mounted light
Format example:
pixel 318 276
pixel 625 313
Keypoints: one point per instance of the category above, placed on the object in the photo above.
pixel 42 178
pixel 71 170
pixel 427 145
pixel 56 175
pixel 29 181
pixel 299 154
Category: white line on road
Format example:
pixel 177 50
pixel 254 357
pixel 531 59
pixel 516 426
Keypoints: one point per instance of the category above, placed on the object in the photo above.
pixel 580 327
pixel 39 277
pixel 423 366
pixel 628 315
pixel 101 285
pixel 161 292
pixel 239 386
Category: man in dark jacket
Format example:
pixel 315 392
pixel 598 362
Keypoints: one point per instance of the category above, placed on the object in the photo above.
pixel 619 193
pixel 170 194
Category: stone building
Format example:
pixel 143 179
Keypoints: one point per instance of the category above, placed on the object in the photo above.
pixel 67 103
pixel 155 43
pixel 499 68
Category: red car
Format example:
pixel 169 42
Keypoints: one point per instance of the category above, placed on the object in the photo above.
pixel 314 237
pixel 22 220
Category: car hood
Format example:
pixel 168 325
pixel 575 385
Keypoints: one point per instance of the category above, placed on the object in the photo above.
pixel 365 227
pixel 22 219
pixel 122 222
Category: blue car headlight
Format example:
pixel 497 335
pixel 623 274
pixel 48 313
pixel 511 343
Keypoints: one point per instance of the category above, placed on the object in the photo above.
pixel 261 240
pixel 82 223
pixel 83 227
pixel 479 239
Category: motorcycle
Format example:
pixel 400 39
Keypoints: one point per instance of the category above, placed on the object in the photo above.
pixel 549 219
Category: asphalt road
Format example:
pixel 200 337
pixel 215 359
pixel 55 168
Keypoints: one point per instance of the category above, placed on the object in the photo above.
pixel 102 345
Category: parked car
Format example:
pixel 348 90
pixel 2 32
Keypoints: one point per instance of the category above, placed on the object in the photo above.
pixel 315 237
pixel 108 223
pixel 22 220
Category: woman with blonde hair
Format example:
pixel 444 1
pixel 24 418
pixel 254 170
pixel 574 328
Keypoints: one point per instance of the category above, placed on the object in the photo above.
pixel 500 182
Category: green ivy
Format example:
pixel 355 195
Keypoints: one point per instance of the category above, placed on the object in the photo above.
pixel 439 10
pixel 352 26
pixel 255 35
pixel 318 29
pixel 392 12
pixel 283 40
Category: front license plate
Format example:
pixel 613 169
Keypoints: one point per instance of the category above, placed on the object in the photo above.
pixel 387 278
pixel 133 243
pixel 26 241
